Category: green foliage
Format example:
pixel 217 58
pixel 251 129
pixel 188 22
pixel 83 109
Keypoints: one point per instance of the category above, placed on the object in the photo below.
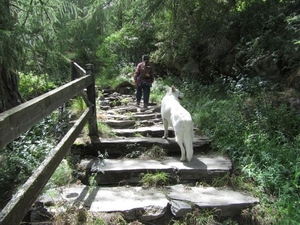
pixel 259 132
pixel 125 101
pixel 199 217
pixel 72 214
pixel 105 130
pixel 34 35
pixel 76 215
pixel 154 180
pixel 78 106
pixel 114 75
pixel 92 182
pixel 97 221
pixel 31 85
pixel 219 38
pixel 155 152
pixel 158 90
pixel 25 154
pixel 62 176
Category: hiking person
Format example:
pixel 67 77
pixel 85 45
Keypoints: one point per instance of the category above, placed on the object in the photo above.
pixel 143 79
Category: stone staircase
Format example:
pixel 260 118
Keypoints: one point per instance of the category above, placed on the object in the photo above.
pixel 137 132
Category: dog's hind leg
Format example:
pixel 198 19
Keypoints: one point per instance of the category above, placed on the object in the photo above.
pixel 166 131
pixel 188 141
pixel 179 141
pixel 183 156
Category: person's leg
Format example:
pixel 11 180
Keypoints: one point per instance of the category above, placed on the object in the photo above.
pixel 146 92
pixel 139 91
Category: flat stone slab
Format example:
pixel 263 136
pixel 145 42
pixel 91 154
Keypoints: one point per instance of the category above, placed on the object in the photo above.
pixel 128 171
pixel 122 146
pixel 132 108
pixel 228 202
pixel 148 204
pixel 119 172
pixel 157 130
pixel 180 208
pixel 169 143
pixel 134 116
pixel 153 131
pixel 133 202
pixel 200 168
pixel 119 123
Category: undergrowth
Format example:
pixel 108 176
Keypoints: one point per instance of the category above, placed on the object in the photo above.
pixel 32 85
pixel 257 129
pixel 21 157
pixel 260 134
pixel 154 180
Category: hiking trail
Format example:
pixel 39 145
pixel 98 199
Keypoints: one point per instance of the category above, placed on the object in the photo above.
pixel 117 166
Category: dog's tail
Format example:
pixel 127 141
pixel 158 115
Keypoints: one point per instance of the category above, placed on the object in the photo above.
pixel 188 141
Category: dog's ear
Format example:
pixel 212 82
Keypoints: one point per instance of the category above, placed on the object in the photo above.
pixel 173 88
pixel 168 88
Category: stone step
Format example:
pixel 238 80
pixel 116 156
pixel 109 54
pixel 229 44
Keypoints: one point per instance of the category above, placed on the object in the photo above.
pixel 133 116
pixel 143 120
pixel 149 204
pixel 120 124
pixel 119 175
pixel 116 147
pixel 131 108
pixel 153 131
pixel 202 168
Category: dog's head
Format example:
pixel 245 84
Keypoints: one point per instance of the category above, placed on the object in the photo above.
pixel 174 91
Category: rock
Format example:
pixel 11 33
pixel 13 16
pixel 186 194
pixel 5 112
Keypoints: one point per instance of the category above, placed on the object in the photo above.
pixel 119 123
pixel 113 171
pixel 105 107
pixel 146 204
pixel 125 87
pixel 118 146
pixel 152 212
pixel 40 215
pixel 180 208
pixel 226 202
pixel 104 103
pixel 147 213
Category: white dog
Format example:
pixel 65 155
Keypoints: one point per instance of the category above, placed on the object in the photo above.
pixel 174 115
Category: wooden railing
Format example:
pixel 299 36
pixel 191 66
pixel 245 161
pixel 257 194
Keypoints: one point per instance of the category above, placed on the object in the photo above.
pixel 18 120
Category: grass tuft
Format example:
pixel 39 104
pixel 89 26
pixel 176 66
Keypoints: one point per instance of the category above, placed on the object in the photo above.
pixel 154 180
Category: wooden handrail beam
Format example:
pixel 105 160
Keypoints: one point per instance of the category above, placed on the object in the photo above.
pixel 18 120
pixel 79 69
pixel 16 209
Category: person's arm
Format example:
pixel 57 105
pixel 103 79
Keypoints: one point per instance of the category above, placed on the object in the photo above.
pixel 136 73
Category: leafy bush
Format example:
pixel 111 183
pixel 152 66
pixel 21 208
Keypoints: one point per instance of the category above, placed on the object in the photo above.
pixel 105 130
pixel 259 133
pixel 63 175
pixel 31 85
pixel 158 90
pixel 24 155
pixel 78 106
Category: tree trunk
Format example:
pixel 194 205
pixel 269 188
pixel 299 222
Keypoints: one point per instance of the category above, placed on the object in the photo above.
pixel 9 92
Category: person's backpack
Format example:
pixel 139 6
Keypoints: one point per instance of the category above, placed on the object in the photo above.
pixel 145 70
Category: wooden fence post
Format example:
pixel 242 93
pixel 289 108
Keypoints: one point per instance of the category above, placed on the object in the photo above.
pixel 91 94
pixel 74 73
